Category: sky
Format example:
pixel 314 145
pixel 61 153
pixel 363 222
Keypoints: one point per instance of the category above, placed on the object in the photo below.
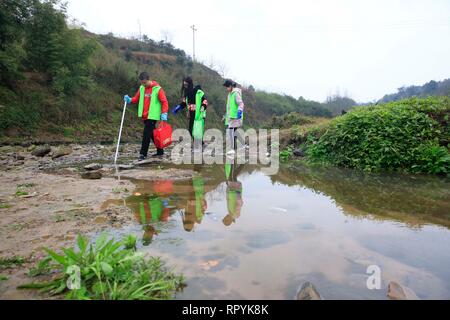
pixel 308 48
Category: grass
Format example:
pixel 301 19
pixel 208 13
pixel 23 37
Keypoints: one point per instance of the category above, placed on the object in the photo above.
pixel 26 185
pixel 18 226
pixel 20 193
pixel 5 205
pixel 119 190
pixel 105 270
pixel 11 263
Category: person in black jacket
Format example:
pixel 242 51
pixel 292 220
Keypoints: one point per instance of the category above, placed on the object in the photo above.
pixel 188 97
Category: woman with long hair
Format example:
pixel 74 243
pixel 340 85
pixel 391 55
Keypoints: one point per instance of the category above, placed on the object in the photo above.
pixel 195 100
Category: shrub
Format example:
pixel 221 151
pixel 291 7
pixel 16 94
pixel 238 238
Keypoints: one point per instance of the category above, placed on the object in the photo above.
pixel 400 135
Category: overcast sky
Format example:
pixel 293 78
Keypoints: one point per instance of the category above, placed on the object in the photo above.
pixel 307 48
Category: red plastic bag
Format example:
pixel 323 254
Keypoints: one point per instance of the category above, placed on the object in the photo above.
pixel 163 135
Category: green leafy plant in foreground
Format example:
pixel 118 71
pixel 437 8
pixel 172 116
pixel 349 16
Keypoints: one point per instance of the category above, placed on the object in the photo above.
pixel 106 270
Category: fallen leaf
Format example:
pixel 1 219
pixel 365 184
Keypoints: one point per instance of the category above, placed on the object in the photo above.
pixel 208 265
pixel 137 194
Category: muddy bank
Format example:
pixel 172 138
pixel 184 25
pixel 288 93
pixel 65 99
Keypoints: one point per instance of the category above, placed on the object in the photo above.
pixel 46 202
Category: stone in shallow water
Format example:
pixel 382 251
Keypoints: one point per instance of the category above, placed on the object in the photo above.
pixel 397 292
pixel 307 291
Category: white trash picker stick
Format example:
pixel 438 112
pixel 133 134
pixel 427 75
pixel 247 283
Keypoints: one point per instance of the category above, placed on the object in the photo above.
pixel 120 132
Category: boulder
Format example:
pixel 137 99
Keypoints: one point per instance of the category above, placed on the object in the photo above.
pixel 307 291
pixel 299 153
pixel 93 166
pixel 397 292
pixel 61 152
pixel 41 151
pixel 91 175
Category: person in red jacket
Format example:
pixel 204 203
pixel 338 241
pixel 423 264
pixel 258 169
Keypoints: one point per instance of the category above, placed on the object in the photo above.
pixel 153 107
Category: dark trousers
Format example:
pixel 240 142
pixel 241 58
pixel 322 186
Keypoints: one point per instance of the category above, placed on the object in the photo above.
pixel 148 136
pixel 191 121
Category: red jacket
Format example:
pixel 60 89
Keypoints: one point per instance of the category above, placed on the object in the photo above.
pixel 148 94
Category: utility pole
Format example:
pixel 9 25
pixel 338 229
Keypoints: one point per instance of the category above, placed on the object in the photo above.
pixel 140 33
pixel 193 41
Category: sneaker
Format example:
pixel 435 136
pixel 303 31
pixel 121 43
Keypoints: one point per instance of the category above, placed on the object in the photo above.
pixel 142 157
pixel 156 155
pixel 231 152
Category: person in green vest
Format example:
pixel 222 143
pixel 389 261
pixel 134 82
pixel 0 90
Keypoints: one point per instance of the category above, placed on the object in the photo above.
pixel 153 107
pixel 234 194
pixel 150 212
pixel 234 114
pixel 196 205
pixel 194 99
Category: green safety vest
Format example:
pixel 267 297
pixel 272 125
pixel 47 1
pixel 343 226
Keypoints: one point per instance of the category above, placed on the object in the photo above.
pixel 232 107
pixel 156 208
pixel 232 195
pixel 198 105
pixel 199 190
pixel 155 105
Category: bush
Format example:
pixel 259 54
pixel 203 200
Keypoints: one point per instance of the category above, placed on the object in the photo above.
pixel 402 135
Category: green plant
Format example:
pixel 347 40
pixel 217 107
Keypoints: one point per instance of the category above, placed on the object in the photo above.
pixel 9 263
pixel 408 135
pixel 108 269
pixel 286 154
pixel 20 193
pixel 27 185
pixel 5 205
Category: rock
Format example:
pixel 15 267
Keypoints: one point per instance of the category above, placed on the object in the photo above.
pixel 307 291
pixel 125 166
pixel 93 166
pixel 91 175
pixel 41 151
pixel 299 153
pixel 101 219
pixel 19 157
pixel 61 152
pixel 397 292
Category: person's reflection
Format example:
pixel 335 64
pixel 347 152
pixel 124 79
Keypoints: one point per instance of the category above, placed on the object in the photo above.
pixel 234 194
pixel 152 211
pixel 196 205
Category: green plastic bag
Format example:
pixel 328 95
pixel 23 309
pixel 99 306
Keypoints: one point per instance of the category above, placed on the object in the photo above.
pixel 198 129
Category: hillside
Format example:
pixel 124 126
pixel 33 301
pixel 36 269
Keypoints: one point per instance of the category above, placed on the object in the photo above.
pixel 60 83
pixel 432 88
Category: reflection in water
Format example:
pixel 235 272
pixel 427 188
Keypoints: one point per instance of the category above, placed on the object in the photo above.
pixel 196 204
pixel 324 225
pixel 234 193
pixel 411 199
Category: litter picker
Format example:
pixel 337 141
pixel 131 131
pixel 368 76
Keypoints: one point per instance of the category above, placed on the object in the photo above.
pixel 120 132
